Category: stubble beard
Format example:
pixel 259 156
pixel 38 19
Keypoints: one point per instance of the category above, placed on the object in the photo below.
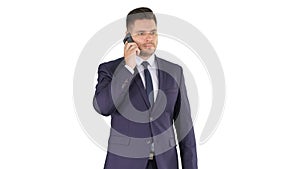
pixel 146 54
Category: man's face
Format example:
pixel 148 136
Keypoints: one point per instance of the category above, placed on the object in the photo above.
pixel 144 34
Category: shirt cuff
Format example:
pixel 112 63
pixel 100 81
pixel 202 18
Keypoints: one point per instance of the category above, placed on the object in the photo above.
pixel 130 69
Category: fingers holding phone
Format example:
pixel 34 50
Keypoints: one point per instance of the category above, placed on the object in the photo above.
pixel 131 50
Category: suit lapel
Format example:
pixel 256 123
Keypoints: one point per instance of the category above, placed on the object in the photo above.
pixel 139 83
pixel 160 101
pixel 160 75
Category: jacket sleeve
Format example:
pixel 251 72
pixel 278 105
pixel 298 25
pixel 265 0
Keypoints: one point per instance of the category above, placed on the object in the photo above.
pixel 184 128
pixel 111 88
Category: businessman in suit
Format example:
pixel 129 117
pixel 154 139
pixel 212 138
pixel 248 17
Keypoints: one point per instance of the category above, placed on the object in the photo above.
pixel 146 98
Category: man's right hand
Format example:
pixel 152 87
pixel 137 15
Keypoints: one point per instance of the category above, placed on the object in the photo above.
pixel 131 50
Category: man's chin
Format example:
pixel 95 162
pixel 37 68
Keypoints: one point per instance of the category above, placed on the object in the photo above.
pixel 146 53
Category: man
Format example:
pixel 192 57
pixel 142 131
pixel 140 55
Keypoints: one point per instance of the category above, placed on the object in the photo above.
pixel 145 95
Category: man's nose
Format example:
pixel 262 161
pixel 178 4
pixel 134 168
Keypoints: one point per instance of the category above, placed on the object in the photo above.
pixel 149 37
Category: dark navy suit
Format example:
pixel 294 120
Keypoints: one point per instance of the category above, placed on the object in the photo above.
pixel 135 124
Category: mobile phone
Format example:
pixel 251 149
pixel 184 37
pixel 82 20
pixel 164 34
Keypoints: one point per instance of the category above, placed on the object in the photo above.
pixel 128 38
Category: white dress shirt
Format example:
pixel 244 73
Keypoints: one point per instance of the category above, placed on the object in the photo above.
pixel 152 67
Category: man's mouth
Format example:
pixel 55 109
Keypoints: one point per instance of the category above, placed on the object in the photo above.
pixel 148 45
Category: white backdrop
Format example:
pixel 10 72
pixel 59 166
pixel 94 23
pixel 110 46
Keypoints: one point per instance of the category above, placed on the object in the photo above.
pixel 257 43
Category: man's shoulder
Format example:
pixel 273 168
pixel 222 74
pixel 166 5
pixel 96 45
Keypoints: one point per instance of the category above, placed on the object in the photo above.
pixel 113 62
pixel 163 63
pixel 111 65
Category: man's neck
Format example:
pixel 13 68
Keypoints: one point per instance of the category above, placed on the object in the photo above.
pixel 145 57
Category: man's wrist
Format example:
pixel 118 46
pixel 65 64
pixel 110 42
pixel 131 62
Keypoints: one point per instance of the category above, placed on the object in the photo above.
pixel 131 70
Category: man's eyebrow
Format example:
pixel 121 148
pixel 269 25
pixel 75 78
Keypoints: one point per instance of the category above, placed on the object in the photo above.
pixel 147 31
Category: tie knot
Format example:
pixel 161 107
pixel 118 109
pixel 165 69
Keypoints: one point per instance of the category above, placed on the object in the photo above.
pixel 145 64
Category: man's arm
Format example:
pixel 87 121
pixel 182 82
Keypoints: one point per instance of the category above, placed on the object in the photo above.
pixel 111 88
pixel 113 84
pixel 184 128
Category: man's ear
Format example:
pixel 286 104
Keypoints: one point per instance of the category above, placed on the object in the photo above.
pixel 129 28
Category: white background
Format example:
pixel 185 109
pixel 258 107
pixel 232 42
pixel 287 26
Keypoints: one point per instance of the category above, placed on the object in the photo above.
pixel 257 43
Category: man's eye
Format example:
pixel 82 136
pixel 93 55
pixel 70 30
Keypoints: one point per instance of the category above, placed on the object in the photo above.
pixel 153 33
pixel 140 34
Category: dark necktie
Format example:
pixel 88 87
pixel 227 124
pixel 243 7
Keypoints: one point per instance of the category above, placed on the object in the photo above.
pixel 148 81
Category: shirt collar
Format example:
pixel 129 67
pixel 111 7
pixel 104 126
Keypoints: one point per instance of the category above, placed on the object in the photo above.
pixel 150 60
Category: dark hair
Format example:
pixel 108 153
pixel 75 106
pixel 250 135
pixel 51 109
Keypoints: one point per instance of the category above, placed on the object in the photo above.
pixel 139 13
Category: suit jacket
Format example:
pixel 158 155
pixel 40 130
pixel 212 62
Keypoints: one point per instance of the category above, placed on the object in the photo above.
pixel 135 124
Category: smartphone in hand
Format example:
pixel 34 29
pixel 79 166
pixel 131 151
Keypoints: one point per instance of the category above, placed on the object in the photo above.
pixel 128 38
